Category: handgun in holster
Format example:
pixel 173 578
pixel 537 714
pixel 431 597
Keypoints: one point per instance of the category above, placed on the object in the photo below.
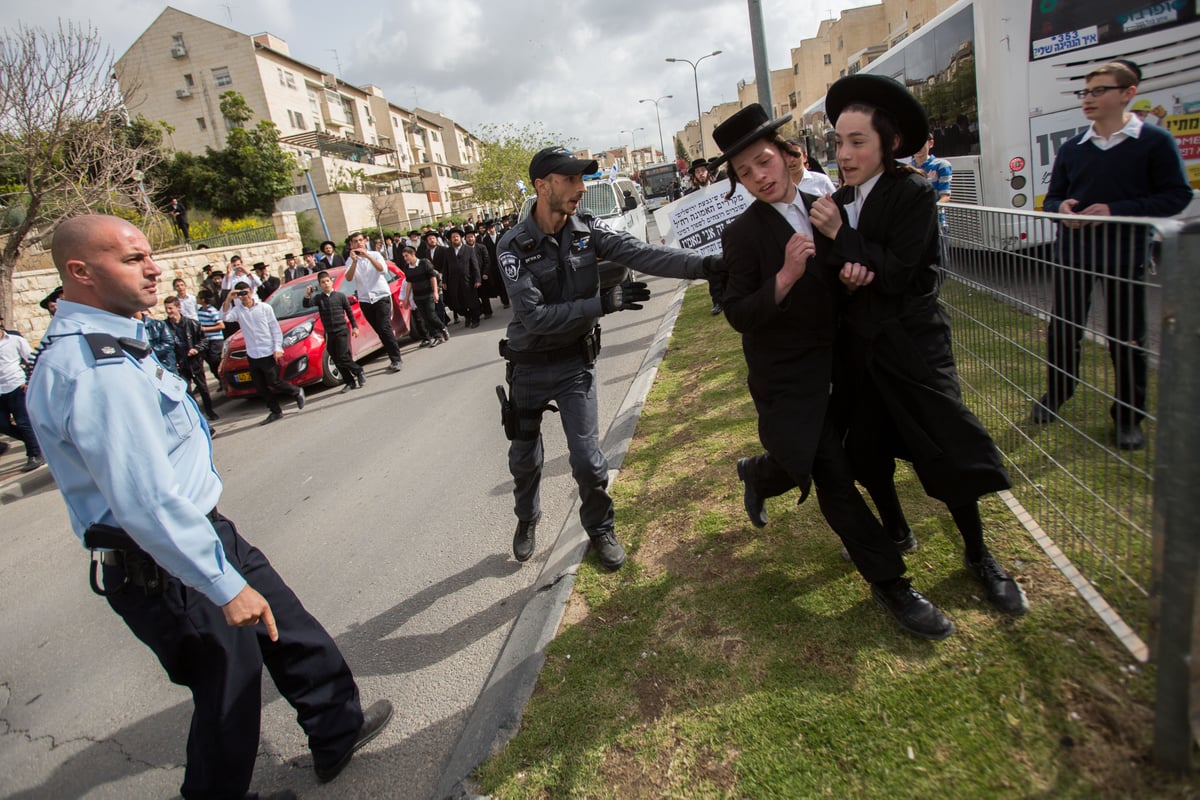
pixel 140 569
pixel 521 423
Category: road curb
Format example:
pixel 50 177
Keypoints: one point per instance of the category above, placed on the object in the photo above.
pixel 496 716
pixel 14 489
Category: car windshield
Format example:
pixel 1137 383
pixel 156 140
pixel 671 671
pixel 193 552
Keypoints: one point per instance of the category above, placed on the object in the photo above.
pixel 288 301
pixel 600 199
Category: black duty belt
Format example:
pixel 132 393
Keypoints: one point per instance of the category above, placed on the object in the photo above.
pixel 586 347
pixel 115 548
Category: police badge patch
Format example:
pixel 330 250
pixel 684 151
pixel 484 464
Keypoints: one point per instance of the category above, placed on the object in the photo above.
pixel 510 264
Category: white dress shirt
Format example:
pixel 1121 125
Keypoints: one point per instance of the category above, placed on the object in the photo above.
pixel 1131 130
pixel 816 183
pixel 796 215
pixel 14 351
pixel 187 307
pixel 860 196
pixel 370 283
pixel 259 327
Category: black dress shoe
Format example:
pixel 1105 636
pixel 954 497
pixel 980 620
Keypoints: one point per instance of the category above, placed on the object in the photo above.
pixel 1001 590
pixel 1043 411
pixel 375 719
pixel 272 417
pixel 300 398
pixel 609 550
pixel 347 387
pixel 716 309
pixel 1130 437
pixel 911 610
pixel 754 505
pixel 525 539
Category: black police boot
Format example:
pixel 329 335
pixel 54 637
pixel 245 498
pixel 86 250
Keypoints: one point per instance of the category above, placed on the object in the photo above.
pixel 1001 590
pixel 911 610
pixel 525 539
pixel 753 504
pixel 608 550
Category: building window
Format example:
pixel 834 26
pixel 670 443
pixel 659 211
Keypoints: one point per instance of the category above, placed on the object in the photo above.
pixel 348 109
pixel 296 119
pixel 395 122
pixel 201 124
pixel 187 79
pixel 221 76
pixel 289 79
pixel 314 105
pixel 841 42
pixel 828 59
pixel 433 135
pixel 177 39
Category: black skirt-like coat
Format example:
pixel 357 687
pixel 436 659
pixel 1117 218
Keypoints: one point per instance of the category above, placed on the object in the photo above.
pixel 895 362
pixel 788 347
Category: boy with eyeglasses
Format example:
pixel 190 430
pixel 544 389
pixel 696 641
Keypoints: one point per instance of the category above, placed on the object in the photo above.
pixel 1117 167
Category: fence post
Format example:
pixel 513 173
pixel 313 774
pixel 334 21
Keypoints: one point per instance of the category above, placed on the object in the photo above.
pixel 1177 498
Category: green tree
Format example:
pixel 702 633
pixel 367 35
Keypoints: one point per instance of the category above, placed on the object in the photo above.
pixel 67 145
pixel 680 151
pixel 247 176
pixel 504 163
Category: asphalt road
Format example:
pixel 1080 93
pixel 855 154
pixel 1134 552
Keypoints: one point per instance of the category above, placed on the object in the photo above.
pixel 388 510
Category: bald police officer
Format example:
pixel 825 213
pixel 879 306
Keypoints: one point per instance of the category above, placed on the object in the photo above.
pixel 133 459
pixel 549 265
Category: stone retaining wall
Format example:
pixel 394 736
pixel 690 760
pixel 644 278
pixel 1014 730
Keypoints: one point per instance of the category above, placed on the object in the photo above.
pixel 30 286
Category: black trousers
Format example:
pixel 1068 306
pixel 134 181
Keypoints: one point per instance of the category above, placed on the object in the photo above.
pixel 427 313
pixel 213 357
pixel 841 503
pixel 265 374
pixel 379 317
pixel 192 370
pixel 338 344
pixel 1126 327
pixel 222 666
pixel 14 421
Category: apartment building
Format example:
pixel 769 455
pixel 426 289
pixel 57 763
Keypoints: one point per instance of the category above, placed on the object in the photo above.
pixel 691 133
pixel 370 162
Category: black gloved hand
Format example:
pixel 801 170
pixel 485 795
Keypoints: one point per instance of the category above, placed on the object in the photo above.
pixel 625 297
pixel 714 265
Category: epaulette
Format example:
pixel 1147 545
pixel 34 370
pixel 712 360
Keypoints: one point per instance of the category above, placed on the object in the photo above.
pixel 105 347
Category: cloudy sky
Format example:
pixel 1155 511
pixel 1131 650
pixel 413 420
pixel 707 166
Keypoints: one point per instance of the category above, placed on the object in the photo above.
pixel 578 68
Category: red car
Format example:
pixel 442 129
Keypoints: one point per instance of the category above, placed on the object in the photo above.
pixel 304 358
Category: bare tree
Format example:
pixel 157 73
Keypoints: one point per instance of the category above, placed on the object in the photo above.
pixel 66 143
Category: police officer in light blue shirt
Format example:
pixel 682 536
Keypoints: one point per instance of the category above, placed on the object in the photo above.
pixel 133 459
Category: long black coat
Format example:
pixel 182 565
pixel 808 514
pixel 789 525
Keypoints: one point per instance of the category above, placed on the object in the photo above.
pixel 895 361
pixel 788 347
pixel 461 273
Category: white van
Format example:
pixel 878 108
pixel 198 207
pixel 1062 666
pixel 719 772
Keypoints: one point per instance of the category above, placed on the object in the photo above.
pixel 619 203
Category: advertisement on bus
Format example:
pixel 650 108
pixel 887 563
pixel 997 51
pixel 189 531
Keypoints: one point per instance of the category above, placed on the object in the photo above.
pixel 1176 109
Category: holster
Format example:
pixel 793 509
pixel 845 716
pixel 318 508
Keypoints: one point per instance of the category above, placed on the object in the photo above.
pixel 140 569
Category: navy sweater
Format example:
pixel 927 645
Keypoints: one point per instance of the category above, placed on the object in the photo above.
pixel 1142 177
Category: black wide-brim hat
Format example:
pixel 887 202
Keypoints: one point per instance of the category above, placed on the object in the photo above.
pixel 741 130
pixel 889 96
pixel 51 298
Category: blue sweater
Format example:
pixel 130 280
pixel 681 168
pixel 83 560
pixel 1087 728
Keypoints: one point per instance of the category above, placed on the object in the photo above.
pixel 1142 177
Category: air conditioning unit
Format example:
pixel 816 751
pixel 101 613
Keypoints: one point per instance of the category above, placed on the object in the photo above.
pixel 330 81
pixel 178 51
pixel 182 93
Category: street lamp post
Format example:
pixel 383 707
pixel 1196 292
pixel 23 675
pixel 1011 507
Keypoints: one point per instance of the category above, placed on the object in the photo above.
pixel 696 80
pixel 306 165
pixel 661 146
pixel 633 138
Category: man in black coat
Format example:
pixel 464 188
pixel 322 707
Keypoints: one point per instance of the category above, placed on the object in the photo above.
pixel 490 239
pixel 487 284
pixel 329 258
pixel 268 283
pixel 782 297
pixel 462 277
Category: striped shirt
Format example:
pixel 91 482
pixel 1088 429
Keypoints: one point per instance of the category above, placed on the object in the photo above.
pixel 209 315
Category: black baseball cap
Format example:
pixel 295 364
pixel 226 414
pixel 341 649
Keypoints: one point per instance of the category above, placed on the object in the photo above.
pixel 560 160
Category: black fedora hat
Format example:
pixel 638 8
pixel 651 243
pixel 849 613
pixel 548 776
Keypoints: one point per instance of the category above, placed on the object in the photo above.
pixel 888 95
pixel 745 127
pixel 699 162
pixel 51 298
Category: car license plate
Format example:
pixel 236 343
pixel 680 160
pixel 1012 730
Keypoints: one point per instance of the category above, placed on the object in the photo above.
pixel 242 377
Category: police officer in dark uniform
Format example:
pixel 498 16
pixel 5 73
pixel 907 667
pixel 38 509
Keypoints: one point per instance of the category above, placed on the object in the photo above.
pixel 550 267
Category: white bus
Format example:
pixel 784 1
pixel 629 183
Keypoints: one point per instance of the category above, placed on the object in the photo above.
pixel 998 80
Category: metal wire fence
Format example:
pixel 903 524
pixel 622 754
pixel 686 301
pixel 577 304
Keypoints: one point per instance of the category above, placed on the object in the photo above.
pixel 265 233
pixel 1058 359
